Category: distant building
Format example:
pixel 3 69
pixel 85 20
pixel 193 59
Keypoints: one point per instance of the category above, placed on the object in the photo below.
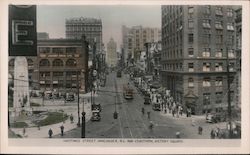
pixel 90 27
pixel 111 53
pixel 196 42
pixel 134 38
pixel 42 35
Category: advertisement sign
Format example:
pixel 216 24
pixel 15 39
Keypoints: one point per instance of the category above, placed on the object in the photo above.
pixel 22 30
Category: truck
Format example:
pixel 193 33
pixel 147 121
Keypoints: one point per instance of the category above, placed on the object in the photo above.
pixel 128 92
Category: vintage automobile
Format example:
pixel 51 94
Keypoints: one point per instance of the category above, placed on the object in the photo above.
pixel 96 106
pixel 95 115
pixel 156 106
pixel 216 117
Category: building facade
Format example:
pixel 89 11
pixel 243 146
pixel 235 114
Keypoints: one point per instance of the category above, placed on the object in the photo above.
pixel 91 28
pixel 198 46
pixel 111 53
pixel 61 63
pixel 134 38
pixel 238 22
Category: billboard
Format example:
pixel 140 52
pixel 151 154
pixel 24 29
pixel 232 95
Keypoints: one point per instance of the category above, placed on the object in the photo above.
pixel 22 30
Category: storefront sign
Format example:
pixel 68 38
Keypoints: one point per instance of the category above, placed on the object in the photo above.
pixel 22 30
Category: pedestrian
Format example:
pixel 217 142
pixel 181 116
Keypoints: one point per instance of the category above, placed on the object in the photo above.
pixel 71 118
pixel 212 134
pixel 151 125
pixel 62 128
pixel 38 127
pixel 178 134
pixel 148 114
pixel 181 110
pixel 142 110
pixel 50 133
pixel 24 130
pixel 200 130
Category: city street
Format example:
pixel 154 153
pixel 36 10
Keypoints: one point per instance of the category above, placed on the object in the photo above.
pixel 131 123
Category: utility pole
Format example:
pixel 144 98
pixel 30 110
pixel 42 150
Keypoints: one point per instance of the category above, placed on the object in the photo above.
pixel 78 108
pixel 83 121
pixel 229 97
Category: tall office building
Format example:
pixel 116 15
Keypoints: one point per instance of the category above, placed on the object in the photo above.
pixel 198 44
pixel 134 38
pixel 90 27
pixel 111 53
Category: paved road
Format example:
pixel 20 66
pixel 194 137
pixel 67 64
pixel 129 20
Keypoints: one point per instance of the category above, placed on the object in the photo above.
pixel 131 123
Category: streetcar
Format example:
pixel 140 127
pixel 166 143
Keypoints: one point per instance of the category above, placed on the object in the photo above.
pixel 128 93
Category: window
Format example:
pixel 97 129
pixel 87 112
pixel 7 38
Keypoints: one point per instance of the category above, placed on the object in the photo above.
pixel 206 67
pixel 231 54
pixel 71 62
pixel 218 25
pixel 218 53
pixel 207 9
pixel 57 74
pixel 219 39
pixel 206 23
pixel 206 82
pixel 231 66
pixel 44 62
pixel 71 50
pixel 190 67
pixel 44 49
pixel 218 67
pixel 190 38
pixel 190 82
pixel 190 24
pixel 191 52
pixel 230 12
pixel 190 10
pixel 218 81
pixel 57 62
pixel 218 11
pixel 230 27
pixel 206 98
pixel 57 50
pixel 44 74
pixel 206 52
pixel 230 39
pixel 206 38
pixel 218 99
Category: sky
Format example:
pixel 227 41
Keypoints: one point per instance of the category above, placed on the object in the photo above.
pixel 51 18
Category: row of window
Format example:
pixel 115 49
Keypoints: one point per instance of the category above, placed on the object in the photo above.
pixel 207 67
pixel 82 28
pixel 57 62
pixel 219 98
pixel 206 53
pixel 58 50
pixel 207 82
pixel 58 74
pixel 218 11
pixel 207 24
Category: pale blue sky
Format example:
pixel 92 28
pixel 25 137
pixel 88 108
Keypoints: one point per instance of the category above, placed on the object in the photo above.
pixel 51 18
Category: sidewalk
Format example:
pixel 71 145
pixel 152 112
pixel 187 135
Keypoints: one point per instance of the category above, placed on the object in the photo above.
pixel 190 130
pixel 33 132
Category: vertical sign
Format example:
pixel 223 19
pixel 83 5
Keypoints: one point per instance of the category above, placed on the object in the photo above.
pixel 22 30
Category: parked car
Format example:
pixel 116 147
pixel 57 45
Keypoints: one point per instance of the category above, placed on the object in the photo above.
pixel 215 118
pixel 95 115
